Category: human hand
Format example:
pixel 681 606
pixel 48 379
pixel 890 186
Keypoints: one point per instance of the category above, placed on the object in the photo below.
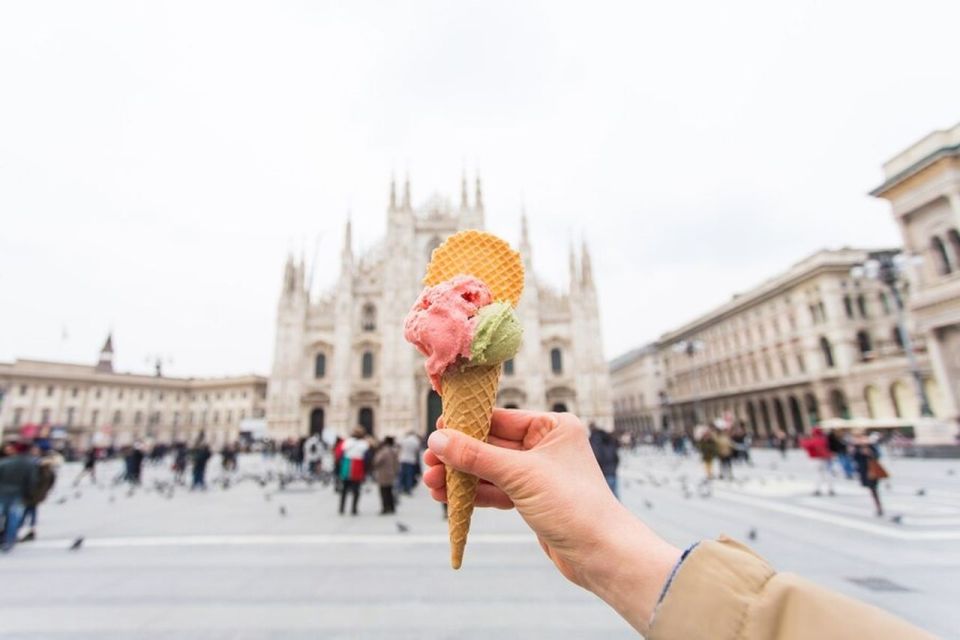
pixel 542 464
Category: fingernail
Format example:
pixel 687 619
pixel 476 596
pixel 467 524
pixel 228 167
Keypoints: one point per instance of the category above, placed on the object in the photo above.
pixel 438 442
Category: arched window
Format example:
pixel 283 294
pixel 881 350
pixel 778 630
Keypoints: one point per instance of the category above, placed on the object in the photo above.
pixel 862 306
pixel 368 320
pixel 954 238
pixel 897 337
pixel 365 419
pixel 863 342
pixel 848 306
pixel 320 365
pixel 556 360
pixel 827 352
pixel 137 418
pixel 838 404
pixel 117 418
pixel 940 257
pixel 433 244
pixel 366 364
pixel 508 367
pixel 559 407
pixel 872 398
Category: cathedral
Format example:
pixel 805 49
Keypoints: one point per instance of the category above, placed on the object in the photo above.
pixel 340 359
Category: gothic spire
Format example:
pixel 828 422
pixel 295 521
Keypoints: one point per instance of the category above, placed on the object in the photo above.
pixel 478 198
pixel 393 192
pixel 574 276
pixel 464 201
pixel 347 252
pixel 586 269
pixel 406 194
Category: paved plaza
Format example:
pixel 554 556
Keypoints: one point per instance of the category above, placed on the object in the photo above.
pixel 252 561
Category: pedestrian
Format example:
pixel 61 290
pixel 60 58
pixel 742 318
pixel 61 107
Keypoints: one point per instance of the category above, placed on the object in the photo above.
pixel 725 452
pixel 538 463
pixel 179 462
pixel 386 467
pixel 837 443
pixel 18 478
pixel 134 463
pixel 707 443
pixel 409 457
pixel 867 458
pixel 741 444
pixel 228 458
pixel 782 442
pixel 47 463
pixel 818 449
pixel 89 466
pixel 351 470
pixel 313 453
pixel 605 450
pixel 201 456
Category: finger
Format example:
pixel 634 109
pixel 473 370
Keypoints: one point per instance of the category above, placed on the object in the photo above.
pixel 430 458
pixel 472 456
pixel 511 424
pixel 504 443
pixel 491 496
pixel 487 496
pixel 435 477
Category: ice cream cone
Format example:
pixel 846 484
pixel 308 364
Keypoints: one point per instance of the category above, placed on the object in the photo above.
pixel 469 393
pixel 468 398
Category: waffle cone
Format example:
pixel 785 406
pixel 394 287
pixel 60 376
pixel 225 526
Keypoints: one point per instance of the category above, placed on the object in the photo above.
pixel 468 398
pixel 482 255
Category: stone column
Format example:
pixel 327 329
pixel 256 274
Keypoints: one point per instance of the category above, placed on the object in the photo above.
pixel 942 375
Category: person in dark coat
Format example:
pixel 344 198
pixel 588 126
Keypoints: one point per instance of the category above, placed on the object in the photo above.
pixel 47 463
pixel 386 467
pixel 864 453
pixel 201 456
pixel 18 479
pixel 605 450
pixel 89 466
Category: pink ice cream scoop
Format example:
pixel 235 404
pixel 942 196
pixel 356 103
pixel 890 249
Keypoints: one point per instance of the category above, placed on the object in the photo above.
pixel 442 322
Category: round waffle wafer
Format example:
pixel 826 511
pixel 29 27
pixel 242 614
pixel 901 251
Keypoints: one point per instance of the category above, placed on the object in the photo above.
pixel 482 255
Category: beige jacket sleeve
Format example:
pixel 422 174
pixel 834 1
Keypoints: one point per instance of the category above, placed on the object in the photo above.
pixel 724 591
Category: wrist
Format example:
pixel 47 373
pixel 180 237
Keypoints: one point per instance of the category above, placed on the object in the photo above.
pixel 630 567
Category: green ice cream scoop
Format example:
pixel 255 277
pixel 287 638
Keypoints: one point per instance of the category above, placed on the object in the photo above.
pixel 497 336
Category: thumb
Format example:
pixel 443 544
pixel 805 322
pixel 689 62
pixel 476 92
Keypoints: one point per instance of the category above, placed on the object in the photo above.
pixel 463 453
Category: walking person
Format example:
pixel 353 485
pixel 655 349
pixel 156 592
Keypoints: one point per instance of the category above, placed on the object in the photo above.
pixel 89 467
pixel 18 478
pixel 352 470
pixel 605 450
pixel 201 456
pixel 818 449
pixel 409 458
pixel 707 443
pixel 179 462
pixel 47 463
pixel 837 443
pixel 867 458
pixel 386 466
pixel 725 452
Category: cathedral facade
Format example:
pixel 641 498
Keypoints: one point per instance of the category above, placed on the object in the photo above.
pixel 340 359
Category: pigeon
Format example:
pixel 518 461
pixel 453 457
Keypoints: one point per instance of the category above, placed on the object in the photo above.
pixel 897 519
pixel 752 534
pixel 402 528
pixel 283 510
pixel 648 504
pixel 921 492
pixel 77 544
pixel 62 500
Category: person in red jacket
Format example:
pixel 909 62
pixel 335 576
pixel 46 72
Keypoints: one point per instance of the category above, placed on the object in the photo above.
pixel 818 448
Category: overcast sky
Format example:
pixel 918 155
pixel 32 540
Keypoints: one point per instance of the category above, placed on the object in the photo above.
pixel 158 160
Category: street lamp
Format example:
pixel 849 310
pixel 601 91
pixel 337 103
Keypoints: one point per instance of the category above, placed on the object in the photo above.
pixel 691 347
pixel 890 268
